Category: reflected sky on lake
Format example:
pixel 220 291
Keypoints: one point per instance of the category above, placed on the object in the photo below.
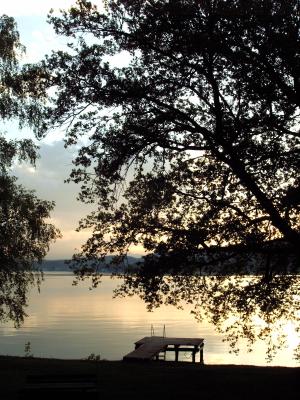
pixel 68 321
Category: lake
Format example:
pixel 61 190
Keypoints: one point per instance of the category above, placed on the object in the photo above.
pixel 66 321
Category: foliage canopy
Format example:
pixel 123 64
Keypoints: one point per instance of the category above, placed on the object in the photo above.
pixel 193 146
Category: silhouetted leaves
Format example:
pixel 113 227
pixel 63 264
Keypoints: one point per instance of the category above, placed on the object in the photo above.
pixel 193 142
pixel 24 233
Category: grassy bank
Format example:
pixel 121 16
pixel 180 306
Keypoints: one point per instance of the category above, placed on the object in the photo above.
pixel 153 380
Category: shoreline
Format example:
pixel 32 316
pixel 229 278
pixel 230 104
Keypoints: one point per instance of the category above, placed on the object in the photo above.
pixel 147 380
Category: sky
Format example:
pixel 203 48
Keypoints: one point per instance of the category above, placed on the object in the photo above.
pixel 55 162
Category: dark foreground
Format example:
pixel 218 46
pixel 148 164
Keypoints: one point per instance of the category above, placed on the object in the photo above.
pixel 159 380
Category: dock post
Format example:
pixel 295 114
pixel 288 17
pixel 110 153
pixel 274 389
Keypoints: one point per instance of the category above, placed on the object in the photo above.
pixel 194 353
pixel 201 355
pixel 176 352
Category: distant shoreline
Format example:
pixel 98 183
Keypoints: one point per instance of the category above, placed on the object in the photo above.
pixel 61 265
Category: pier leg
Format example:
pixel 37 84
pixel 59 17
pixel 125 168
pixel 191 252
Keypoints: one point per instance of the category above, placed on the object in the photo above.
pixel 201 355
pixel 194 354
pixel 176 353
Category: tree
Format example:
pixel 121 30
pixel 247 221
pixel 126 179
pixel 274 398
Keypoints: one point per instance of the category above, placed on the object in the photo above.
pixel 193 143
pixel 24 233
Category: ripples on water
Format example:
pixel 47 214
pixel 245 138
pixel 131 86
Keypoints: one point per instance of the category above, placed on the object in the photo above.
pixel 72 322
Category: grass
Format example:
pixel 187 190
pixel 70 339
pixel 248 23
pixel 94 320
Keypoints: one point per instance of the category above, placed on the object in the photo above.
pixel 165 380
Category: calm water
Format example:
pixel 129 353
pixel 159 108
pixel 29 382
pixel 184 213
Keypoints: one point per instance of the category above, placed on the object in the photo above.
pixel 72 322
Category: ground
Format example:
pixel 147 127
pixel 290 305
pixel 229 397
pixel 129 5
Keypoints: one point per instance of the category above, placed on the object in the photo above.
pixel 159 380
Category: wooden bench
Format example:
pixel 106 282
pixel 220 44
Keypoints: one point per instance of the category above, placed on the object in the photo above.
pixel 56 387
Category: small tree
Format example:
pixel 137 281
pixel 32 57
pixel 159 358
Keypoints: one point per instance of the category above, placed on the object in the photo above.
pixel 24 233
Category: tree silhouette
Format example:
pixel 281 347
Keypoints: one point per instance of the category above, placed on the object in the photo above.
pixel 193 141
pixel 24 233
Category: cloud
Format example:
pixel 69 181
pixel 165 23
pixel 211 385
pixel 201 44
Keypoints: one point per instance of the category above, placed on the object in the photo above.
pixel 70 243
pixel 47 180
pixel 40 42
pixel 31 16
pixel 17 8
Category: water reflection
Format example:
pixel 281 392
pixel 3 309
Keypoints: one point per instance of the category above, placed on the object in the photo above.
pixel 239 306
pixel 72 322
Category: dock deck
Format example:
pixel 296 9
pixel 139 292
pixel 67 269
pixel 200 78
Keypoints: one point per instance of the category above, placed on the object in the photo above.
pixel 150 347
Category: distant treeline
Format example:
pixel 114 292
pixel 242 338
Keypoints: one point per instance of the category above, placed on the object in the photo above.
pixel 64 266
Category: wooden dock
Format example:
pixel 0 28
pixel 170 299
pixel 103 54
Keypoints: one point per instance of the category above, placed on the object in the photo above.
pixel 155 347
